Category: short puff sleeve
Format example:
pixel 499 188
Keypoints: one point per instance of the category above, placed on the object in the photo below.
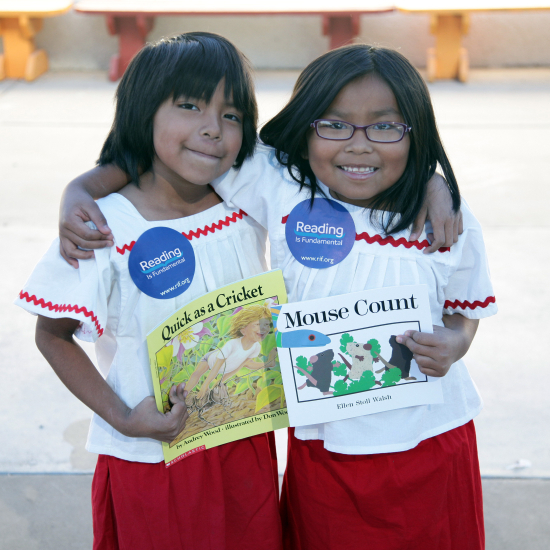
pixel 469 290
pixel 57 290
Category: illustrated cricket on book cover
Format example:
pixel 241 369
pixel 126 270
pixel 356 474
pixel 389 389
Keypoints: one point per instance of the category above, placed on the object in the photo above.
pixel 340 357
pixel 222 346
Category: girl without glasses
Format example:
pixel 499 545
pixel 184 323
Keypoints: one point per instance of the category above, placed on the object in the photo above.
pixel 185 114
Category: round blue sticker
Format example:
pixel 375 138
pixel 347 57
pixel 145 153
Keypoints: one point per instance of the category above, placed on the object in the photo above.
pixel 321 236
pixel 162 263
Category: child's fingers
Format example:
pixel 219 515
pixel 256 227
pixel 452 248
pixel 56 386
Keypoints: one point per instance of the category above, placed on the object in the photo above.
pixel 95 215
pixel 415 337
pixel 418 224
pixel 460 223
pixel 432 366
pixel 449 232
pixel 178 394
pixel 436 371
pixel 75 226
pixel 437 240
pixel 92 240
pixel 178 416
pixel 455 228
pixel 69 253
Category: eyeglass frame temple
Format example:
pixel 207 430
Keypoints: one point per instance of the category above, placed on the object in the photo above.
pixel 314 125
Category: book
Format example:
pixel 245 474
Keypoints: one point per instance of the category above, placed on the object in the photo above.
pixel 222 346
pixel 340 358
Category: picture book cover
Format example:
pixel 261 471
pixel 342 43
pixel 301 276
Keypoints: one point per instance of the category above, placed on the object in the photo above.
pixel 222 346
pixel 340 358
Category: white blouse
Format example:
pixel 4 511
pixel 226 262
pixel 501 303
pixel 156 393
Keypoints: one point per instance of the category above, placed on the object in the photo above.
pixel 457 279
pixel 116 315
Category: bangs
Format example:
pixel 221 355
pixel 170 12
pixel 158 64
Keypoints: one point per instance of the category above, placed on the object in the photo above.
pixel 190 65
pixel 195 69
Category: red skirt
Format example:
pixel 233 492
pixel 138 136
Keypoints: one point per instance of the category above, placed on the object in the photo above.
pixel 225 498
pixel 427 498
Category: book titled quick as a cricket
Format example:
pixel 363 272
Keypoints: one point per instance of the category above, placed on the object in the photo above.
pixel 223 347
pixel 340 357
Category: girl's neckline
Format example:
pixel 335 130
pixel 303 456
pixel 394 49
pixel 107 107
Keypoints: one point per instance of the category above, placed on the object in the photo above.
pixel 379 215
pixel 204 213
pixel 347 205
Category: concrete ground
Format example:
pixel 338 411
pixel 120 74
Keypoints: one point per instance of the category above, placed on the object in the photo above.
pixel 495 129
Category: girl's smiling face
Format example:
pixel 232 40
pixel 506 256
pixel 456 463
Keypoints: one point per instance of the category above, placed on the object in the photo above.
pixel 195 142
pixel 357 170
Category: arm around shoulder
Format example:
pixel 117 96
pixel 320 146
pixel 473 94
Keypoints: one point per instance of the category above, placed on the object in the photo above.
pixel 259 187
pixel 438 208
pixel 78 207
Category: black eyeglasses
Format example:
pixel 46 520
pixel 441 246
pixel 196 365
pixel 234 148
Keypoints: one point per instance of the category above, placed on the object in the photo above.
pixel 380 132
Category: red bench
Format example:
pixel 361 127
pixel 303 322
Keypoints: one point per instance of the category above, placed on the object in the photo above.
pixel 132 20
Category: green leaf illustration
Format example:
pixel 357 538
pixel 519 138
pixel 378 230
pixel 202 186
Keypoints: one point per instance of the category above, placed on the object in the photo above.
pixel 243 372
pixel 303 363
pixel 205 345
pixel 180 377
pixel 242 386
pixel 261 383
pixel 344 341
pixel 268 344
pixel 375 350
pixel 164 356
pixel 266 396
pixel 340 370
pixel 340 388
pixel 391 377
pixel 250 386
pixel 223 323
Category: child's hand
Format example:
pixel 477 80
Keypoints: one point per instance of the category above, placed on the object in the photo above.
pixel 78 207
pixel 435 353
pixel 145 420
pixel 438 208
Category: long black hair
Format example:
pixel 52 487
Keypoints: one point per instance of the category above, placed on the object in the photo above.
pixel 315 90
pixel 190 65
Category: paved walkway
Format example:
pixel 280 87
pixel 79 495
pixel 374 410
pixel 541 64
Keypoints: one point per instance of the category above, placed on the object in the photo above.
pixel 496 131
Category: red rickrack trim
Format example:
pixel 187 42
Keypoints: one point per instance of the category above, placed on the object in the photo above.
pixel 471 305
pixel 199 232
pixel 396 242
pixel 388 240
pixel 216 226
pixel 126 248
pixel 61 308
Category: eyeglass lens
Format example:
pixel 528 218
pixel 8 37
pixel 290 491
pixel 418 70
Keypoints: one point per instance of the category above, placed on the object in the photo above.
pixel 382 132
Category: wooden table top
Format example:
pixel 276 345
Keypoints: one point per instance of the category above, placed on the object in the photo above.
pixel 234 7
pixel 34 8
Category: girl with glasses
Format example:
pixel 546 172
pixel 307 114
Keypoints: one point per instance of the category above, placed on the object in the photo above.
pixel 358 137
